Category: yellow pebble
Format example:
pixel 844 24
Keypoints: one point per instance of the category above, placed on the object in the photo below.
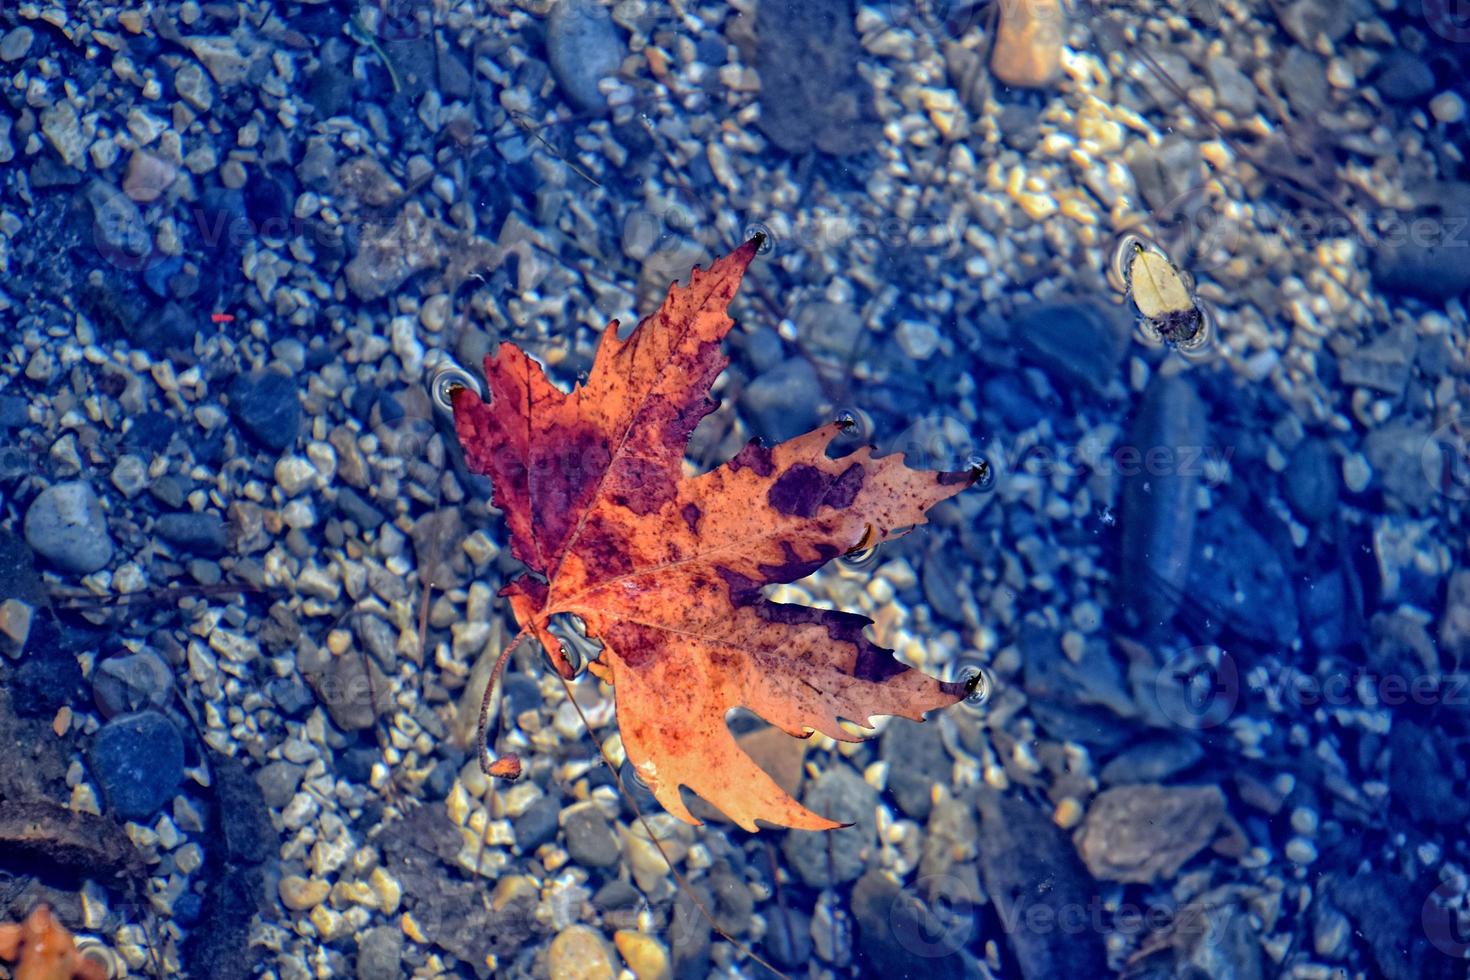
pixel 1068 813
pixel 411 929
pixel 387 889
pixel 645 956
pixel 300 894
pixel 1037 206
pixel 353 893
pixel 329 924
pixel 580 953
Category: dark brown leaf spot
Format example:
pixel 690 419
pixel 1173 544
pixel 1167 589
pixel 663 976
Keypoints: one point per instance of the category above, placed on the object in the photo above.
pixel 754 457
pixel 691 515
pixel 798 491
pixel 803 489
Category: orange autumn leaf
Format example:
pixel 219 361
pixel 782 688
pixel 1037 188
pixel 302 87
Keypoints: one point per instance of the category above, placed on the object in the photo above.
pixel 42 949
pixel 666 570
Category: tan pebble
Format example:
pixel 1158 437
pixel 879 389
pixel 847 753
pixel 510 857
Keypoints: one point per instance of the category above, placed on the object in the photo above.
pixel 353 893
pixel 387 889
pixel 1068 813
pixel 411 929
pixel 148 177
pixel 300 894
pixel 330 924
pixel 1028 44
pixel 645 955
pixel 510 888
pixel 1447 107
pixel 580 953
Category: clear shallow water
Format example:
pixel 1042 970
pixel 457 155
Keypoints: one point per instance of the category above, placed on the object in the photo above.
pixel 250 586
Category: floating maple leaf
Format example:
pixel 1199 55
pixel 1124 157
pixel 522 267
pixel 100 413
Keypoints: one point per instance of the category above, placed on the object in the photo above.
pixel 666 570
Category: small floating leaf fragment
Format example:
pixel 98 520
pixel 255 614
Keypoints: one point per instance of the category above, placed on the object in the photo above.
pixel 1162 295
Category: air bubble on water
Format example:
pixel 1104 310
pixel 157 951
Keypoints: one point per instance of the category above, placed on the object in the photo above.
pixel 979 684
pixel 578 648
pixel 983 472
pixel 447 378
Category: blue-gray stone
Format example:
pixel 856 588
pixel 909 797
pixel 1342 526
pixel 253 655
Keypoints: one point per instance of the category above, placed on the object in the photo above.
pixel 201 533
pixel 131 683
pixel 583 47
pixel 1158 512
pixel 267 407
pixel 1074 343
pixel 783 402
pixel 65 525
pixel 138 761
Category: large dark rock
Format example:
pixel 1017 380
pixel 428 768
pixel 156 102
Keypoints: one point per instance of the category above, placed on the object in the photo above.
pixel 812 95
pixel 583 48
pixel 1158 513
pixel 267 406
pixel 1076 344
pixel 138 761
pixel 1038 885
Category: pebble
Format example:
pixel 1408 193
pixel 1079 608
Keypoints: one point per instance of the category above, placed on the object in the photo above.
pixel 300 894
pixel 1233 87
pixel 1312 484
pixel 380 954
pixel 278 782
pixel 65 525
pixel 589 838
pixel 354 690
pixel 1152 761
pixel 129 475
pixel 131 683
pixel 1403 77
pixel 15 626
pixel 1145 833
pixel 267 406
pixel 1157 522
pixel 583 47
pixel 137 760
pixel 839 855
pixel 221 56
pixel 117 224
pixel 194 87
pixel 294 474
pixel 645 955
pixel 779 404
pixel 1447 107
pixel 537 825
pixel 1027 52
pixel 1078 344
pixel 202 533
pixel 1356 473
pixel 917 338
pixel 580 953
pixel 148 176
pixel 16 43
pixel 63 130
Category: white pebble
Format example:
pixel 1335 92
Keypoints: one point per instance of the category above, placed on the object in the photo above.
pixel 294 474
pixel 1447 107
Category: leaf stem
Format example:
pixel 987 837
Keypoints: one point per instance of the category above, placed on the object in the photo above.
pixel 486 765
pixel 377 48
